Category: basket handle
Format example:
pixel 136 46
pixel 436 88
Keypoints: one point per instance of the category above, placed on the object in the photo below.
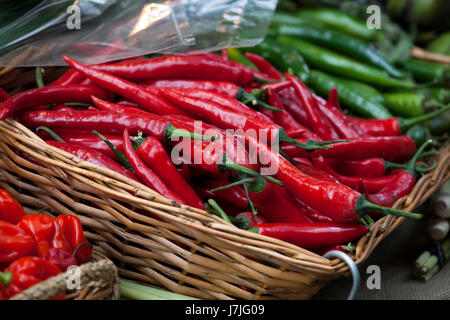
pixel 353 269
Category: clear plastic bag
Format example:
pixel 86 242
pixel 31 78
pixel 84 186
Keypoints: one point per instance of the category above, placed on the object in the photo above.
pixel 118 29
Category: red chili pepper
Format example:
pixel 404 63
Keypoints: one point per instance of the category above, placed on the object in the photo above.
pixel 155 156
pixel 26 272
pixel 150 178
pixel 397 149
pixel 371 185
pixel 339 202
pixel 49 95
pixel 283 119
pixel 104 122
pixel 60 258
pixel 234 195
pixel 4 95
pixel 46 233
pixel 315 171
pixel 73 233
pixel 279 206
pixel 337 118
pixel 311 213
pixel 14 242
pixel 117 108
pixel 90 141
pixel 312 110
pixel 368 168
pixel 392 126
pixel 182 66
pixel 223 101
pixel 129 90
pixel 92 156
pixel 263 65
pixel 402 185
pixel 312 235
pixel 71 76
pixel 222 87
pixel 226 119
pixel 10 209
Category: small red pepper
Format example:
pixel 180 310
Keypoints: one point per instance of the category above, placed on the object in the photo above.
pixel 73 233
pixel 46 233
pixel 14 242
pixel 312 235
pixel 10 210
pixel 49 95
pixel 152 152
pixel 26 272
pixel 150 178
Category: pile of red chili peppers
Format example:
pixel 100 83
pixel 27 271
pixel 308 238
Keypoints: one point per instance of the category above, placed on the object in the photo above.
pixel 35 247
pixel 335 172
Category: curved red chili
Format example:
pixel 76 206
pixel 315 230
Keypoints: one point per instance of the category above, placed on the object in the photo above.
pixel 126 89
pixel 92 156
pixel 49 95
pixel 152 152
pixel 312 235
pixel 182 66
pixel 150 178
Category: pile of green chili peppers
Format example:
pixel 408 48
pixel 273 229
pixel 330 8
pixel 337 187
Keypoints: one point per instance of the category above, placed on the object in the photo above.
pixel 328 48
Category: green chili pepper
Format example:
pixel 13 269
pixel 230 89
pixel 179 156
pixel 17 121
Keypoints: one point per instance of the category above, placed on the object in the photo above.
pixel 281 18
pixel 370 93
pixel 236 55
pixel 283 56
pixel 351 98
pixel 339 20
pixel 405 104
pixel 341 42
pixel 428 71
pixel 332 62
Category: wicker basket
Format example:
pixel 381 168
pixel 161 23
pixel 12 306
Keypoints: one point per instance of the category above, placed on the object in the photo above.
pixel 99 280
pixel 182 249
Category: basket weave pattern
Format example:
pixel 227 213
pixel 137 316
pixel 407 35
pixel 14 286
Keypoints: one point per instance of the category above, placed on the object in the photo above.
pixel 185 250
